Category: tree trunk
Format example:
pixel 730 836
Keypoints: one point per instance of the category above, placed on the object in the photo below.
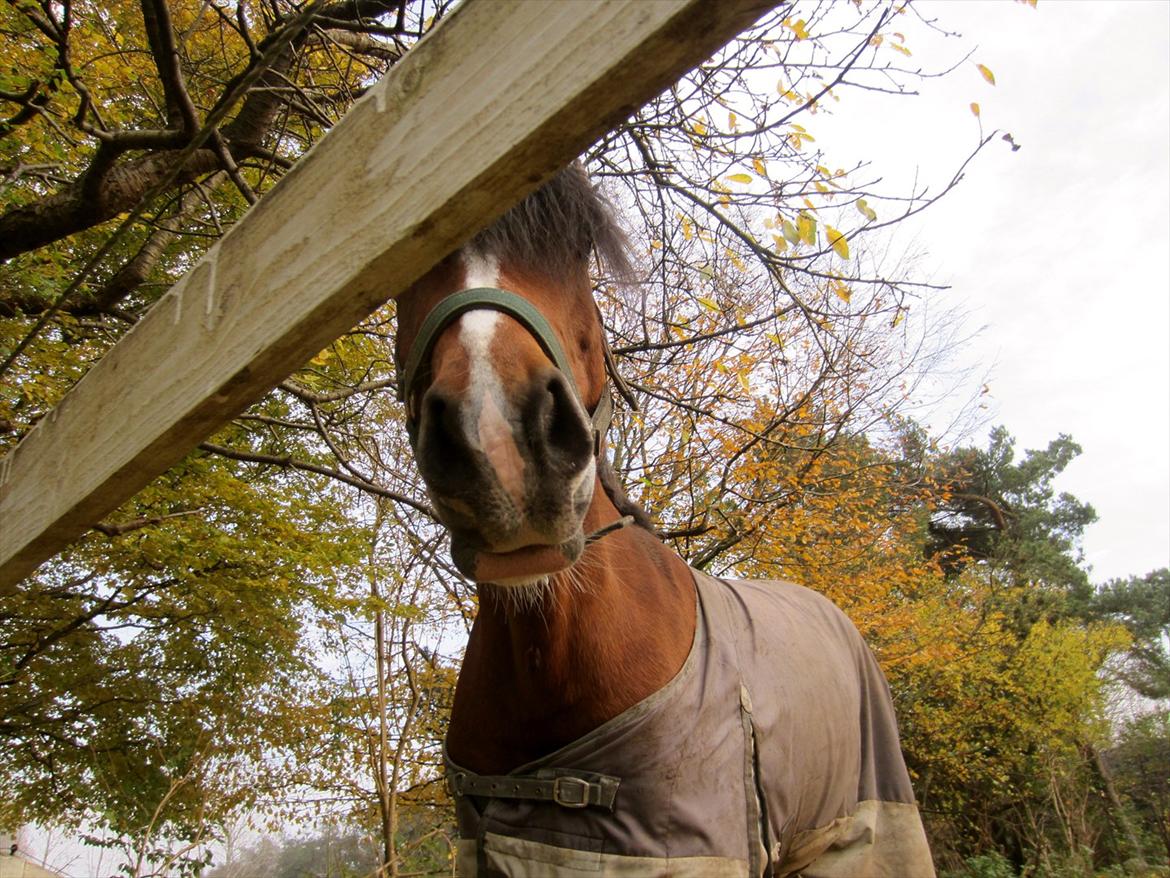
pixel 1116 805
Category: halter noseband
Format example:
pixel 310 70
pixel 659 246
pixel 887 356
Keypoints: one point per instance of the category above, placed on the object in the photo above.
pixel 520 309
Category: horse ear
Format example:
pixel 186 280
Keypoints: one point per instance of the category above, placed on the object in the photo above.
pixel 617 494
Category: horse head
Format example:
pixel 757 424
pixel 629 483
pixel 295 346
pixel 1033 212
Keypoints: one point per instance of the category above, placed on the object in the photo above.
pixel 501 358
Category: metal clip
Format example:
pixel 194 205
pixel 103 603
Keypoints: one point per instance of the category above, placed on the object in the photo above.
pixel 577 798
pixel 456 781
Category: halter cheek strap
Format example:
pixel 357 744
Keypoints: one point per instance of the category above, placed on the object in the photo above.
pixel 520 309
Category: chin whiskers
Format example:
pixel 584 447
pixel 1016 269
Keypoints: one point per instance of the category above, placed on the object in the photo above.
pixel 522 598
pixel 546 592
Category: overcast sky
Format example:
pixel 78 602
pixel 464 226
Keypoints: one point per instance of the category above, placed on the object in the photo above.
pixel 1059 253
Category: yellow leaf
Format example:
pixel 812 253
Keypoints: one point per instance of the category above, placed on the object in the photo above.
pixel 736 261
pixel 698 127
pixel 781 244
pixel 837 241
pixel 799 135
pixel 987 74
pixel 732 121
pixel 760 167
pixel 797 27
pixel 901 49
pixel 790 232
pixel 743 382
pixel 655 245
pixel 740 178
pixel 975 109
pixel 865 210
pixel 709 304
pixel 769 223
pixel 807 227
pixel 686 230
pixel 842 290
pixel 898 318
pixel 775 338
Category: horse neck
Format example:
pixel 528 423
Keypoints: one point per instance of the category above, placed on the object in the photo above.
pixel 616 629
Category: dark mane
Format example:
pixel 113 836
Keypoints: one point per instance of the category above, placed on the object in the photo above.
pixel 558 227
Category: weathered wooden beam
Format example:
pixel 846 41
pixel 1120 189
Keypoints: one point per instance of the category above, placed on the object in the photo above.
pixel 484 109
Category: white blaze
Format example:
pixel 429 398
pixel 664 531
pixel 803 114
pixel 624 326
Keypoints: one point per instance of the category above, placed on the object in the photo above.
pixel 480 269
pixel 486 424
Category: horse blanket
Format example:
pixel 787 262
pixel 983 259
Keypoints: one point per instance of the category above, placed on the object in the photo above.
pixel 773 751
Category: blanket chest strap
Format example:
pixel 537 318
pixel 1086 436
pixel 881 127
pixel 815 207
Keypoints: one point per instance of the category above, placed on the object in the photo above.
pixel 565 789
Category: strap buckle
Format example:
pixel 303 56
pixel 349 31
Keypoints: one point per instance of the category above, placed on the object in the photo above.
pixel 456 780
pixel 570 792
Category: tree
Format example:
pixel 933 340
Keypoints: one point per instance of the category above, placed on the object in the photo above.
pixel 1141 761
pixel 168 651
pixel 1006 520
pixel 1142 605
pixel 115 103
pixel 1015 720
pixel 334 853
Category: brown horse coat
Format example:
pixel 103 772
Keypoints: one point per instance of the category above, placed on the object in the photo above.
pixel 773 748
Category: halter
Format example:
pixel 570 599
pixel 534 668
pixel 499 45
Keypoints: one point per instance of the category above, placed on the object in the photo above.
pixel 517 307
pixel 488 566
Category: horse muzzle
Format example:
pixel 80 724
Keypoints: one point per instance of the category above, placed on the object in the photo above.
pixel 510 474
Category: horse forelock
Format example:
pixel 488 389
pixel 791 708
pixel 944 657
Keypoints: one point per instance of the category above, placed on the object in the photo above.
pixel 555 230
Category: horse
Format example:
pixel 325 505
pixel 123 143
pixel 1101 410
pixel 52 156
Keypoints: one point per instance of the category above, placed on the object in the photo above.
pixel 618 713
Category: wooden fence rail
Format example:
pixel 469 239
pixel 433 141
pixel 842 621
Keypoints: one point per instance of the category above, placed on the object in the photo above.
pixel 485 108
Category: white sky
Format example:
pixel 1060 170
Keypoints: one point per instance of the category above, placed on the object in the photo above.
pixel 1060 252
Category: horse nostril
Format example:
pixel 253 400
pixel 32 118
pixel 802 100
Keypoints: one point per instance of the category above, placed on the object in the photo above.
pixel 561 431
pixel 435 405
pixel 441 442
